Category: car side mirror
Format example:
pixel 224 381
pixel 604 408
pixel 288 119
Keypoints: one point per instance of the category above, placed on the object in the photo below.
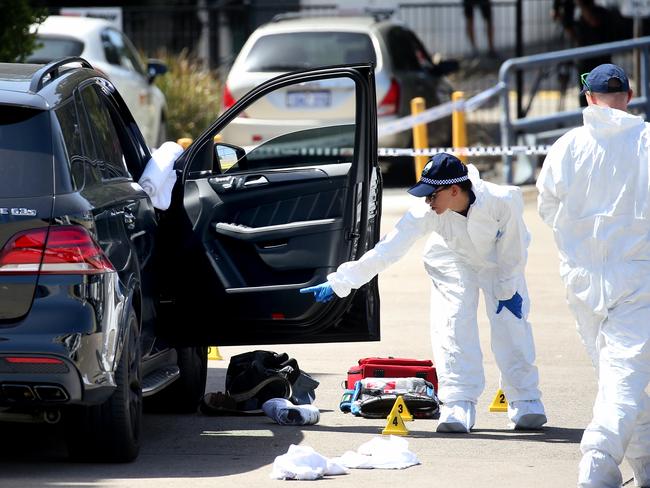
pixel 155 67
pixel 227 155
pixel 446 67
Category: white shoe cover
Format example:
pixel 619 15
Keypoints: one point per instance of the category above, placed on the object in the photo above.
pixel 598 470
pixel 641 468
pixel 527 414
pixel 457 417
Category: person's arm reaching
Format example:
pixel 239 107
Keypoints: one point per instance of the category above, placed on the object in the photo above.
pixel 353 274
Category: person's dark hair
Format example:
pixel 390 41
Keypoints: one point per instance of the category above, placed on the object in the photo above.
pixel 465 186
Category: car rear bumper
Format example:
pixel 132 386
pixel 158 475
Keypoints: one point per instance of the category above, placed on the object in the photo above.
pixel 75 323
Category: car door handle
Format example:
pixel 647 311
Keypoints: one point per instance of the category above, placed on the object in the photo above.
pixel 256 181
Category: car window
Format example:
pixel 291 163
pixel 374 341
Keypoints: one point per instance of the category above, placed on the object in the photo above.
pixel 120 52
pixel 310 147
pixel 308 123
pixel 50 48
pixel 132 149
pixel 25 152
pixel 107 144
pixel 66 114
pixel 290 51
pixel 93 165
pixel 406 51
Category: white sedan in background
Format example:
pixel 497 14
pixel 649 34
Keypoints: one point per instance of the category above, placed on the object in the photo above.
pixel 111 52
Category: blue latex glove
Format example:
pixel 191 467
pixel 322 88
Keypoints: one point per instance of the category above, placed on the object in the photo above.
pixel 513 304
pixel 322 293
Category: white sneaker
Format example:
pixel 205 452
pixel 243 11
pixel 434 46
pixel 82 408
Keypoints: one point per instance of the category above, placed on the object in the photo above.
pixel 286 413
pixel 527 414
pixel 456 417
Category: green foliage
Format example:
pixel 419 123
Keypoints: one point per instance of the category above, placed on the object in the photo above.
pixel 193 95
pixel 16 42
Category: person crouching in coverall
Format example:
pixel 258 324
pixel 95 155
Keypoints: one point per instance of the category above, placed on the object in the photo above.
pixel 477 241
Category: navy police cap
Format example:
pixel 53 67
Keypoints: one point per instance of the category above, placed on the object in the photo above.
pixel 606 78
pixel 442 170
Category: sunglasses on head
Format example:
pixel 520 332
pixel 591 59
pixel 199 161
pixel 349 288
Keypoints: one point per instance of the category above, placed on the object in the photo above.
pixel 583 80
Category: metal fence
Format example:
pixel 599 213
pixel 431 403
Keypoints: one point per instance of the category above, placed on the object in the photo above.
pixel 511 124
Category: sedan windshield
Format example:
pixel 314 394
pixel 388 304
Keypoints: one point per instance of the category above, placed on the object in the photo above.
pixel 301 50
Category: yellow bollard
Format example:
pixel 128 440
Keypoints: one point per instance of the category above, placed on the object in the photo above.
pixel 458 127
pixel 213 353
pixel 420 137
pixel 184 141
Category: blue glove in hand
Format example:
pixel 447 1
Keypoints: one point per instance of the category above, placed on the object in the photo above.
pixel 513 304
pixel 322 293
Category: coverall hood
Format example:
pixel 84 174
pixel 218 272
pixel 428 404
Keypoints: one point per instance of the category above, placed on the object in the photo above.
pixel 605 121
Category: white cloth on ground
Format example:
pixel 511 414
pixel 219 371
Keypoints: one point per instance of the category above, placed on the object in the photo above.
pixel 159 176
pixel 303 463
pixel 380 453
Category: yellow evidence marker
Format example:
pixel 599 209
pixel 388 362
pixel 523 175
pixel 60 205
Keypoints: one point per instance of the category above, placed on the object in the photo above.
pixel 213 353
pixel 402 409
pixel 395 424
pixel 499 404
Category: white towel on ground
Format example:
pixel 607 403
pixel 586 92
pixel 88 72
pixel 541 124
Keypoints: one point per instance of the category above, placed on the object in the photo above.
pixel 303 463
pixel 380 453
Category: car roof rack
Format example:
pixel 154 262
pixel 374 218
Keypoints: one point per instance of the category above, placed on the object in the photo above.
pixel 378 14
pixel 52 70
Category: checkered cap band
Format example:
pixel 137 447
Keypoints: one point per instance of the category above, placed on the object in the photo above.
pixel 450 181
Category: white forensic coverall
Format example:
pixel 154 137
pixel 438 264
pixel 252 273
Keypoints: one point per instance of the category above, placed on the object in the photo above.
pixel 486 250
pixel 594 192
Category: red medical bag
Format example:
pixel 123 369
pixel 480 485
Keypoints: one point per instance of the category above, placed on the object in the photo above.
pixel 392 368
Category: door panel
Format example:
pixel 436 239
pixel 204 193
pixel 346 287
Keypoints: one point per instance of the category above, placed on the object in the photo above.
pixel 281 217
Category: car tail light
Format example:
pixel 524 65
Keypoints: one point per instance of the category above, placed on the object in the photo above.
pixel 66 249
pixel 390 103
pixel 227 100
pixel 32 360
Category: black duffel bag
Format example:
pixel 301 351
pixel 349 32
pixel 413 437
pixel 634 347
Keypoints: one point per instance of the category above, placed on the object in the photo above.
pixel 254 377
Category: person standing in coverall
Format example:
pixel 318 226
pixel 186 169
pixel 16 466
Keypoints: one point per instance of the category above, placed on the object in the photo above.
pixel 477 240
pixel 594 192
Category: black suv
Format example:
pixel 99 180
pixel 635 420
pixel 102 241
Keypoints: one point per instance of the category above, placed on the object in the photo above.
pixel 104 300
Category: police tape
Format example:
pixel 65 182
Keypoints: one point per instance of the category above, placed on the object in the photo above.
pixel 439 111
pixel 466 151
pixel 346 153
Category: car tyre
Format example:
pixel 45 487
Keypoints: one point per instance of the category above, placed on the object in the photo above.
pixel 110 432
pixel 184 394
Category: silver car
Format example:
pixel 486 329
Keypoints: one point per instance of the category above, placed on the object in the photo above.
pixel 403 70
pixel 112 53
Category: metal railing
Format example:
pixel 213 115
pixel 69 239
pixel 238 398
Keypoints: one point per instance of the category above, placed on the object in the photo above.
pixel 511 126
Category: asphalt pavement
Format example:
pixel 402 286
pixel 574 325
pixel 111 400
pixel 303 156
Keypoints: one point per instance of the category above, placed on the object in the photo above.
pixel 199 451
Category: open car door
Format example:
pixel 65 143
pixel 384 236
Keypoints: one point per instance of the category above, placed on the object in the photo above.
pixel 269 203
